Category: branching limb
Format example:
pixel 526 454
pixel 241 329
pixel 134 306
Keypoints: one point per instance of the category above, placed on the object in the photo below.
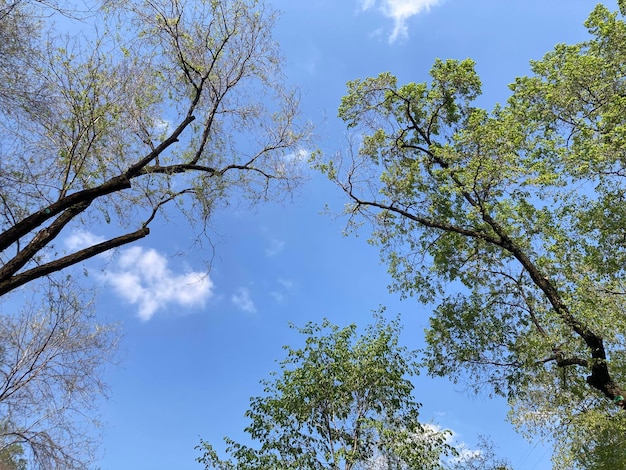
pixel 70 260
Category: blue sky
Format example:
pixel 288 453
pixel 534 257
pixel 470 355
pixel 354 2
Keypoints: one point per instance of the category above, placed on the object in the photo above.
pixel 192 357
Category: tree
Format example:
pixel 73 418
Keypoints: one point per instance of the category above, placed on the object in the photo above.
pixel 52 360
pixel 149 108
pixel 341 401
pixel 11 458
pixel 483 458
pixel 162 111
pixel 511 223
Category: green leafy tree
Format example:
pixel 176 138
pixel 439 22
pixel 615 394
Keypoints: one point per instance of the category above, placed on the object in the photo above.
pixel 511 222
pixel 113 117
pixel 11 458
pixel 342 401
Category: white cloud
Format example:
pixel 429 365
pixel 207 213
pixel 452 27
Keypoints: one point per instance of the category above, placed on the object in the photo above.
pixel 163 126
pixel 292 161
pixel 432 432
pixel 399 11
pixel 274 244
pixel 82 239
pixel 465 454
pixel 286 283
pixel 243 300
pixel 280 294
pixel 142 277
pixel 300 155
pixel 275 247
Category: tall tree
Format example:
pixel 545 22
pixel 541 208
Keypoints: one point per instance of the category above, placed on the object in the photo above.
pixel 342 401
pixel 146 109
pixel 52 357
pixel 162 110
pixel 511 222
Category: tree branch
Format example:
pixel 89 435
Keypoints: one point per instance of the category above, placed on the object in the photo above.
pixel 431 223
pixel 40 240
pixel 565 361
pixel 30 223
pixel 70 260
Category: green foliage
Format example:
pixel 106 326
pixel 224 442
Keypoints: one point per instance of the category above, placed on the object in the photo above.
pixel 597 443
pixel 11 458
pixel 110 118
pixel 341 401
pixel 511 222
pixel 146 106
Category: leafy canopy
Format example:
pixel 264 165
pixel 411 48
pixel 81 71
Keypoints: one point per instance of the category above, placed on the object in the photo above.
pixel 150 108
pixel 511 222
pixel 342 401
pixel 113 115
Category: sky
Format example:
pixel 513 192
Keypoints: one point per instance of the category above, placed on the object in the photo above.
pixel 202 325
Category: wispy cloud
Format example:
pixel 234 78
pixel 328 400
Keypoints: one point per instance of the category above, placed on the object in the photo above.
pixel 464 453
pixel 143 278
pixel 285 285
pixel 275 247
pixel 82 239
pixel 292 161
pixel 299 155
pixel 399 11
pixel 243 300
pixel 277 296
pixel 274 244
